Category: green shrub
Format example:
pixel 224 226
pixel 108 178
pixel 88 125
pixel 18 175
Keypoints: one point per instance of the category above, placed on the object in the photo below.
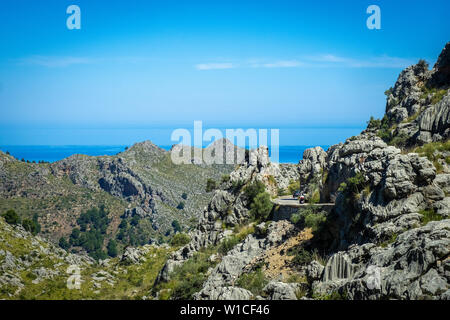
pixel 428 150
pixel 187 278
pixel 294 185
pixel 383 126
pixel 252 190
pixel 374 123
pixel 261 206
pixel 301 256
pixel 225 178
pixel 91 234
pixel 243 231
pixel 63 243
pixel 423 65
pixel 176 226
pixel 353 185
pixel 389 241
pixel 399 140
pixel 184 195
pixel 429 215
pixel 11 217
pixel 181 205
pixel 315 198
pixel 227 244
pixel 437 94
pixel 210 185
pixel 389 91
pixel 315 220
pixel 237 185
pixel 253 281
pixel 433 151
pixel 295 218
pixel 179 240
pixel 112 248
pixel 27 224
pixel 310 217
pixel 32 225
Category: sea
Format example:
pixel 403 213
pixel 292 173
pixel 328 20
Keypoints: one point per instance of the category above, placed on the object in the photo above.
pixel 287 154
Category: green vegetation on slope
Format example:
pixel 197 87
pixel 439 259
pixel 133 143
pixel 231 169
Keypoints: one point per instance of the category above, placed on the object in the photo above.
pixel 434 152
pixel 32 257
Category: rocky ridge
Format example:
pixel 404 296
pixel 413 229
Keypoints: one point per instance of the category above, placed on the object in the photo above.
pixel 141 181
pixel 388 234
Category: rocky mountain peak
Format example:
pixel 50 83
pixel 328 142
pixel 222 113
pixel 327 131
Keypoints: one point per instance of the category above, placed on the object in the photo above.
pixel 441 69
pixel 145 147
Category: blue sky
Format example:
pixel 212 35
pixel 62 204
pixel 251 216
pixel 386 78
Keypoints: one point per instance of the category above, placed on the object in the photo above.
pixel 138 69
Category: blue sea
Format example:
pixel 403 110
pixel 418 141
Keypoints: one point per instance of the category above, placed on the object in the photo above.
pixel 287 154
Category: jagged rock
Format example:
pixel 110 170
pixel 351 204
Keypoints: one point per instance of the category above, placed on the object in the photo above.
pixel 443 181
pixel 233 264
pixel 442 207
pixel 413 267
pixel 313 161
pixel 281 291
pixel 338 267
pixel 133 255
pixel 314 271
pixel 433 192
pixel 43 273
pixel 138 211
pixel 436 119
pixel 9 261
pixel 230 293
pixel 441 74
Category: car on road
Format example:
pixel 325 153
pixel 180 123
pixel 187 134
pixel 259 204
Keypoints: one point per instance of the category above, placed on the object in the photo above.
pixel 296 194
pixel 301 199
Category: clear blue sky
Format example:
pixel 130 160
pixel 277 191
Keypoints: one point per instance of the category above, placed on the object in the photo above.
pixel 136 69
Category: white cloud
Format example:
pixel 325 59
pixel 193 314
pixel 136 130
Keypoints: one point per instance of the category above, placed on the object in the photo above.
pixel 283 64
pixel 54 62
pixel 316 61
pixel 370 62
pixel 382 62
pixel 327 58
pixel 212 66
pixel 66 61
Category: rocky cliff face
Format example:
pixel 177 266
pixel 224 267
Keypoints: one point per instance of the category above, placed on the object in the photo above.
pixel 389 247
pixel 417 106
pixel 388 235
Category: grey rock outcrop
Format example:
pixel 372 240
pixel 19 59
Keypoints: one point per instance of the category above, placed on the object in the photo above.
pixel 229 205
pixel 415 266
pixel 231 293
pixel 234 263
pixel 413 103
pixel 281 291
pixel 134 255
pixel 314 271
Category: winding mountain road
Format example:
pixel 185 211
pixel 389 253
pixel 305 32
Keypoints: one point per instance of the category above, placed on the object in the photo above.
pixel 290 201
